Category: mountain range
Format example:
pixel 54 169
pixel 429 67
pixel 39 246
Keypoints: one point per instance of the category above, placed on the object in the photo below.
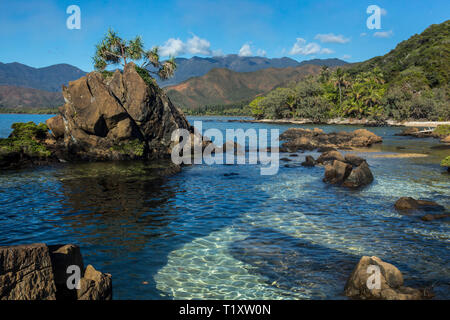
pixel 24 87
pixel 224 86
pixel 196 66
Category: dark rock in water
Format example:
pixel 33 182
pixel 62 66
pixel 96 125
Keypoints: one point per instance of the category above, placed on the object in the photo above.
pixel 325 149
pixel 330 156
pixel 305 139
pixel 354 160
pixel 391 286
pixel 121 117
pixel 350 171
pixel 293 155
pixel 359 177
pixel 431 217
pixel 309 162
pixel 39 272
pixel 337 172
pixel 286 159
pixel 408 203
pixel 232 174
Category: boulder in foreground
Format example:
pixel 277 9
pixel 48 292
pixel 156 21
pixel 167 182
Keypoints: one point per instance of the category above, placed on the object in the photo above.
pixel 363 285
pixel 39 272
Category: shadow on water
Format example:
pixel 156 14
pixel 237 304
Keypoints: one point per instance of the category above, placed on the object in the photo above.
pixel 127 217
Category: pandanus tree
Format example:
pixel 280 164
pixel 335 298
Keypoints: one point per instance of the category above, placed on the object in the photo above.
pixel 113 50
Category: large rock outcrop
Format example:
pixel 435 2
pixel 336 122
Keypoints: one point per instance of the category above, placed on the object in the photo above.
pixel 350 171
pixel 363 285
pixel 39 272
pixel 306 139
pixel 116 117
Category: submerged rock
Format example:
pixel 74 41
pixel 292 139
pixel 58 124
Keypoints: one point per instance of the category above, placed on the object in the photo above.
pixel 390 282
pixel 39 272
pixel 122 117
pixel 305 139
pixel 309 162
pixel 408 203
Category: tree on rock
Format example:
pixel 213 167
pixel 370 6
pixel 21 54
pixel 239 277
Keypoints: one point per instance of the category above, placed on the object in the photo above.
pixel 113 50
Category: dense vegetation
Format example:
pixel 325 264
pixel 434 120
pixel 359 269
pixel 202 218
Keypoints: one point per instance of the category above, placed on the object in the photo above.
pixel 234 109
pixel 25 139
pixel 410 82
pixel 226 87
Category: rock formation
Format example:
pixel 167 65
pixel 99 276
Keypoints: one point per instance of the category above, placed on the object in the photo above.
pixel 350 171
pixel 309 162
pixel 408 203
pixel 121 116
pixel 305 139
pixel 39 272
pixel 359 286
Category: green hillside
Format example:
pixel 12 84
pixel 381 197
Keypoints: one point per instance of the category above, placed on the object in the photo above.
pixel 226 87
pixel 410 82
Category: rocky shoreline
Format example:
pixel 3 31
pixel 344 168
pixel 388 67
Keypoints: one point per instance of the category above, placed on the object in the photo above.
pixel 40 272
pixel 349 121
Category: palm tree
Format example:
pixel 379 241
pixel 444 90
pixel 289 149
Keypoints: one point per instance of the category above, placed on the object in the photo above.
pixel 114 50
pixel 340 80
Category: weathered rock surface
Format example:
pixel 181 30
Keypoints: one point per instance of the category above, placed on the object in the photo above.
pixel 391 282
pixel 432 217
pixel 408 203
pixel 360 176
pixel 26 273
pixel 306 139
pixel 350 171
pixel 330 156
pixel 337 172
pixel 39 272
pixel 121 117
pixel 309 162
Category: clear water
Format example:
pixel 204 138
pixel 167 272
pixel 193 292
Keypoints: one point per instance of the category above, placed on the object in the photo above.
pixel 203 233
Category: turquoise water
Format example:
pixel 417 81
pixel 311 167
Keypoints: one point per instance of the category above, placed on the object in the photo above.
pixel 204 233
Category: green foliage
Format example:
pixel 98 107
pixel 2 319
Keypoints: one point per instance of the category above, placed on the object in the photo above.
pixel 113 50
pixel 442 130
pixel 235 109
pixel 410 82
pixel 446 162
pixel 26 138
pixel 134 147
pixel 150 81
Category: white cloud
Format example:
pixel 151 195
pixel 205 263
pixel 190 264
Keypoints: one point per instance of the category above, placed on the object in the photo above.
pixel 245 50
pixel 261 53
pixel 172 47
pixel 363 34
pixel 383 34
pixel 346 56
pixel 331 38
pixel 303 48
pixel 194 45
pixel 326 51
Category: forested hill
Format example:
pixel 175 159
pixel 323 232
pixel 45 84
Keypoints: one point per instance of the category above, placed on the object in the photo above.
pixel 409 82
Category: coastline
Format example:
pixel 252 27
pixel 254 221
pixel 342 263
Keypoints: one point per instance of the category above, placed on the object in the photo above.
pixel 349 121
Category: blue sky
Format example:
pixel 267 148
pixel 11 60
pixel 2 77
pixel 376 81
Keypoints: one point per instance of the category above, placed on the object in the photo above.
pixel 35 32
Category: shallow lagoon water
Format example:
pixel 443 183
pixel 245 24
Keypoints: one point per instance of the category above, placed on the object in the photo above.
pixel 204 233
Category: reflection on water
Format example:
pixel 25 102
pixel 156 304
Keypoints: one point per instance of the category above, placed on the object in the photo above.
pixel 228 232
